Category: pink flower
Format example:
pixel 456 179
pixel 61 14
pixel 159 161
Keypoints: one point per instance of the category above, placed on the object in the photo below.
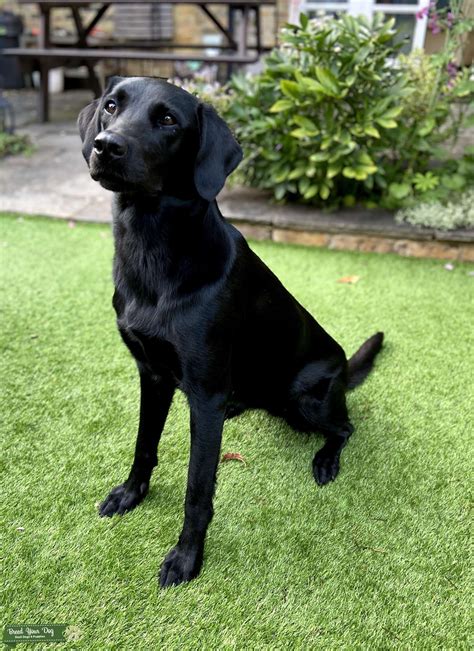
pixel 452 69
pixel 433 24
pixel 422 13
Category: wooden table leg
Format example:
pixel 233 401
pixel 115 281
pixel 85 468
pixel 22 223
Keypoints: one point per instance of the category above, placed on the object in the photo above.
pixel 82 42
pixel 231 30
pixel 243 31
pixel 258 30
pixel 43 108
pixel 44 41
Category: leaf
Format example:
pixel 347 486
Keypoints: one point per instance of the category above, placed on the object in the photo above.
pixel 324 192
pixel 361 172
pixel 312 85
pixel 311 192
pixel 425 182
pixel 319 156
pixel 301 133
pixel 365 160
pixel 232 456
pixel 304 20
pixel 303 185
pixel 349 172
pixel 296 173
pixel 370 130
pixel 393 112
pixel 281 175
pixel 453 181
pixel 349 280
pixel 386 124
pixel 305 123
pixel 399 190
pixel 326 142
pixel 290 88
pixel 280 192
pixel 332 171
pixel 281 105
pixel 426 127
pixel 328 80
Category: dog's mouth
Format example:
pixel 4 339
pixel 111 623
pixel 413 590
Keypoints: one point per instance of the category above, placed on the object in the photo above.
pixel 111 180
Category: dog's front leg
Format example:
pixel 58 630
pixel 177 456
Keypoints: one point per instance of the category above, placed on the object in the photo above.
pixel 184 561
pixel 156 394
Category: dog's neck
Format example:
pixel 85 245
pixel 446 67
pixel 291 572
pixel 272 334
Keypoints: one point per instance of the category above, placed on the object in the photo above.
pixel 168 244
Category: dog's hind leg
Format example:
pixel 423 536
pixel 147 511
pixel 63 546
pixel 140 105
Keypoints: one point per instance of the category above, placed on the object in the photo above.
pixel 326 460
pixel 323 408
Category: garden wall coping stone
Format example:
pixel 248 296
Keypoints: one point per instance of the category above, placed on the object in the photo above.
pixel 255 207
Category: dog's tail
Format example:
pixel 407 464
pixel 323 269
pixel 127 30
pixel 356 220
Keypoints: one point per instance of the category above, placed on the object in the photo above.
pixel 360 364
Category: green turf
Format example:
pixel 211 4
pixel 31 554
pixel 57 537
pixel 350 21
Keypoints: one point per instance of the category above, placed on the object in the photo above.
pixel 376 560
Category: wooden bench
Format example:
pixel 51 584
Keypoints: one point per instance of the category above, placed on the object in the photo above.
pixel 47 55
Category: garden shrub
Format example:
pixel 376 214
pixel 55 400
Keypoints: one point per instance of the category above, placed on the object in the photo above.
pixel 337 118
pixel 12 143
pixel 454 214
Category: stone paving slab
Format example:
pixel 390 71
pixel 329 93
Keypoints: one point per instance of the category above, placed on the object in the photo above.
pixel 54 180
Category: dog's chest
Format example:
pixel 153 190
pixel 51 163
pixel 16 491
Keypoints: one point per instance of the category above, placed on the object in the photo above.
pixel 147 330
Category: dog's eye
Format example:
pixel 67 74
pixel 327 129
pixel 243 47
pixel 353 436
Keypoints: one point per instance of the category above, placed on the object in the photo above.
pixel 167 120
pixel 110 107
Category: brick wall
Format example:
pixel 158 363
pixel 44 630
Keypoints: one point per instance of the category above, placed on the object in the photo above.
pixel 189 25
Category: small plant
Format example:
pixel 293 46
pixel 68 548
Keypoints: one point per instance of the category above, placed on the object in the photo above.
pixel 12 143
pixel 454 214
pixel 211 92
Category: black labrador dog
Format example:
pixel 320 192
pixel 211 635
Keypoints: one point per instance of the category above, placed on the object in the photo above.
pixel 196 307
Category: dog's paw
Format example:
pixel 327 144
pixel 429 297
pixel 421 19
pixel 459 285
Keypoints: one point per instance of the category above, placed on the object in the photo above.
pixel 325 468
pixel 180 565
pixel 122 498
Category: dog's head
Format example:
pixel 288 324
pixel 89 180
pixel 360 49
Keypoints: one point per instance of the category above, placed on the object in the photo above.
pixel 147 135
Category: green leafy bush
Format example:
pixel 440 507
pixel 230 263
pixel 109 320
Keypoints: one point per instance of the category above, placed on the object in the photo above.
pixel 336 117
pixel 12 143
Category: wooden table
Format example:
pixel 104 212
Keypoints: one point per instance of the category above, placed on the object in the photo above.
pixel 236 48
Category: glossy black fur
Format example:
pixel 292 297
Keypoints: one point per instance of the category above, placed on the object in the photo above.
pixel 197 308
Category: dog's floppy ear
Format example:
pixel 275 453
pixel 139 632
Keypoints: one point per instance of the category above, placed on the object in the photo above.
pixel 88 121
pixel 218 155
pixel 88 124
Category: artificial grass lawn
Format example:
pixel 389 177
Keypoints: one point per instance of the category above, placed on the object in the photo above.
pixel 376 560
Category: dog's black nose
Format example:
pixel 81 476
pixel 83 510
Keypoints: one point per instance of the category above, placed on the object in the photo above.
pixel 110 145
